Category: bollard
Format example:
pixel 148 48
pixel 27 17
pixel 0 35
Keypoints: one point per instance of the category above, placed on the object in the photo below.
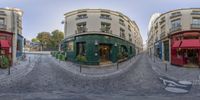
pixel 117 65
pixel 166 67
pixel 9 70
pixel 29 59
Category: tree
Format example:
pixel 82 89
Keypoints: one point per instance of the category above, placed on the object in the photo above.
pixel 44 38
pixel 35 40
pixel 56 38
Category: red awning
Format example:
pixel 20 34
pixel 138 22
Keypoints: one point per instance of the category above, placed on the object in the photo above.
pixel 4 44
pixel 191 43
pixel 176 44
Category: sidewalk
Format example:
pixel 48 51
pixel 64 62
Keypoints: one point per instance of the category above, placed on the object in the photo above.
pixel 176 72
pixel 95 71
pixel 17 71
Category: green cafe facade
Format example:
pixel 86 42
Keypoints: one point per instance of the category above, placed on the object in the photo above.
pixel 97 48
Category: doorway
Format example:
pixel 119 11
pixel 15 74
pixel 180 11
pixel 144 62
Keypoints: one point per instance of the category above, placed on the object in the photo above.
pixel 104 53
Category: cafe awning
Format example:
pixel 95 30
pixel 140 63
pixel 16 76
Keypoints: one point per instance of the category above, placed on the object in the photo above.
pixel 4 44
pixel 191 43
pixel 176 44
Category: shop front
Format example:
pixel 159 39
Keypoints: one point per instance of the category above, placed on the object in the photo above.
pixel 98 49
pixel 185 49
pixel 158 49
pixel 6 46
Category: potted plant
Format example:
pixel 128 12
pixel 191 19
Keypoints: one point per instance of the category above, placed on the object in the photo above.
pixel 4 62
pixel 81 58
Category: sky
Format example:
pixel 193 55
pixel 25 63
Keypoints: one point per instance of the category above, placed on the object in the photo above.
pixel 47 15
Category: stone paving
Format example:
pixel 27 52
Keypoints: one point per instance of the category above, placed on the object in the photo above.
pixel 95 71
pixel 176 72
pixel 18 70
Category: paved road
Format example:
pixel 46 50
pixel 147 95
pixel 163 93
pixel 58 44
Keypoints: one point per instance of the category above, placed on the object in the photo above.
pixel 48 80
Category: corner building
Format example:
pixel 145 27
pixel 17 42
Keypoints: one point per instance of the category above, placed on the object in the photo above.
pixel 174 36
pixel 102 36
pixel 11 39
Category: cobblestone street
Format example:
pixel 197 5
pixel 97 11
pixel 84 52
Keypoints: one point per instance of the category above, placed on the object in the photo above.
pixel 48 80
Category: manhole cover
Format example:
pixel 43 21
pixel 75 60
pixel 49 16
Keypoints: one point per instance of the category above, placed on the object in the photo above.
pixel 176 90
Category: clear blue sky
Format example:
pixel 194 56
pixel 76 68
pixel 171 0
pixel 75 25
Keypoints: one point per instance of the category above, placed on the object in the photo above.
pixel 46 15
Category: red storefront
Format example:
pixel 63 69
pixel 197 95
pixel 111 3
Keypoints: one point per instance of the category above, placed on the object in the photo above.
pixel 185 49
pixel 6 44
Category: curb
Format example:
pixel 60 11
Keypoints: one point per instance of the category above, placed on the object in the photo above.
pixel 6 79
pixel 115 73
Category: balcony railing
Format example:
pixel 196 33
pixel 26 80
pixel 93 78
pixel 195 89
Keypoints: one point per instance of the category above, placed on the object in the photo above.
pixel 106 30
pixel 174 29
pixel 195 26
pixel 162 35
pixel 81 30
pixel 82 17
pixel 122 23
pixel 3 27
pixel 105 17
pixel 175 15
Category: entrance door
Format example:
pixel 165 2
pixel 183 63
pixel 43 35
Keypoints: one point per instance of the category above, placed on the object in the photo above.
pixel 166 50
pixel 104 53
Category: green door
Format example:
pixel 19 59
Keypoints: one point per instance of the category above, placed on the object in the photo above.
pixel 166 50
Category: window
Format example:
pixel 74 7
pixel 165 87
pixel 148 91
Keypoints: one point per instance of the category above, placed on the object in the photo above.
pixel 195 23
pixel 176 23
pixel 130 38
pixel 70 46
pixel 129 28
pixel 81 27
pixel 162 29
pixel 105 16
pixel 2 21
pixel 81 48
pixel 105 27
pixel 122 33
pixel 195 13
pixel 175 14
pixel 82 16
pixel 121 22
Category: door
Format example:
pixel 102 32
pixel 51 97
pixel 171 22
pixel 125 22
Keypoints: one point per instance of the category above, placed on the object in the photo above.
pixel 166 50
pixel 104 53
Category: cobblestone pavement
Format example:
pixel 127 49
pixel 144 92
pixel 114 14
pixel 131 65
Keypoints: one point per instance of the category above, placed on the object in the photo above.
pixel 47 80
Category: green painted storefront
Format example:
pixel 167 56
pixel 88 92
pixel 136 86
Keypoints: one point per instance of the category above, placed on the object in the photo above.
pixel 93 46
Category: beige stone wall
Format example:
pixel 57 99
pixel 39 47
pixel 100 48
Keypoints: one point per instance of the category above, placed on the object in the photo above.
pixel 94 24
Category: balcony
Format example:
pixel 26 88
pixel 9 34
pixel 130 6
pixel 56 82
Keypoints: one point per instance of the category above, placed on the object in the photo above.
pixel 195 26
pixel 195 13
pixel 174 29
pixel 162 35
pixel 175 15
pixel 105 17
pixel 3 27
pixel 81 30
pixel 122 23
pixel 81 17
pixel 106 30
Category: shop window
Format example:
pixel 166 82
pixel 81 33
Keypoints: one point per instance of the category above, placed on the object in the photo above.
pixel 70 46
pixel 81 48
